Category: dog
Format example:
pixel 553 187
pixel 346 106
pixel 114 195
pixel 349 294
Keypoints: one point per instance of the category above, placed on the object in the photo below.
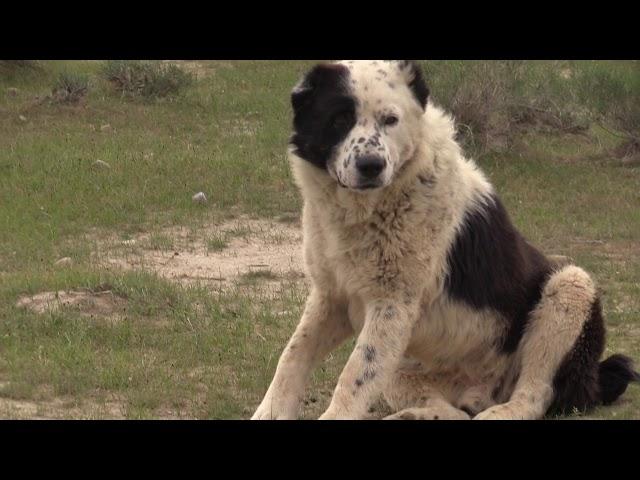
pixel 408 247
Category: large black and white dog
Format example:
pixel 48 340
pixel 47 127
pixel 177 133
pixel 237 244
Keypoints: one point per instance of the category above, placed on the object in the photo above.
pixel 408 246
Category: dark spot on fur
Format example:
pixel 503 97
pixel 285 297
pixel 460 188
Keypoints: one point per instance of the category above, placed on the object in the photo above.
pixel 436 417
pixel 390 312
pixel 368 374
pixel 369 353
pixel 407 416
pixel 428 181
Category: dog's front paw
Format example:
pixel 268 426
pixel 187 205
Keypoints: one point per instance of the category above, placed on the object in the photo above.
pixel 334 414
pixel 271 410
pixel 505 411
pixel 449 413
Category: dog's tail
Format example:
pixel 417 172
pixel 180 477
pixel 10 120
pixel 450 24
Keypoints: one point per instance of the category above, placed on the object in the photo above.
pixel 614 375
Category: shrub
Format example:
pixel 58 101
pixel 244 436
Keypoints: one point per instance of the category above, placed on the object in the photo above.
pixel 146 79
pixel 70 88
pixel 492 100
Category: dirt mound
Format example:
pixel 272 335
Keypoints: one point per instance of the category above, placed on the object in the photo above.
pixel 93 304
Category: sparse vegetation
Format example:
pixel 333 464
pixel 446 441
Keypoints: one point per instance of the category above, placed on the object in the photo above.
pixel 146 79
pixel 257 275
pixel 158 241
pixel 70 88
pixel 494 101
pixel 217 243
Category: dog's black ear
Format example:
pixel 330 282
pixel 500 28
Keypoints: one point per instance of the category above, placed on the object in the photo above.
pixel 319 76
pixel 416 81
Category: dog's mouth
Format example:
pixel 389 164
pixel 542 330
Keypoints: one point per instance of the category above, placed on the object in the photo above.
pixel 368 186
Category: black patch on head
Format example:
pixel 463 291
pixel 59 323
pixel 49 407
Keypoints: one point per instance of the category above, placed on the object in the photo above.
pixel 417 84
pixel 324 112
pixel 576 384
pixel 492 266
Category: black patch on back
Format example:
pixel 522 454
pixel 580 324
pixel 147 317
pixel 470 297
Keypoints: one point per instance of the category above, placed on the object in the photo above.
pixel 492 266
pixel 324 111
pixel 575 384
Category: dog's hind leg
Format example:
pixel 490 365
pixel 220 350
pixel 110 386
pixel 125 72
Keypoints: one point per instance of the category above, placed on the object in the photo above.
pixel 414 398
pixel 563 328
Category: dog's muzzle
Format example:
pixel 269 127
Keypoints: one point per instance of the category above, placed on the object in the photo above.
pixel 369 169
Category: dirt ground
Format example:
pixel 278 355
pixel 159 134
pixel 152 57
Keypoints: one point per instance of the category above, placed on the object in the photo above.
pixel 251 246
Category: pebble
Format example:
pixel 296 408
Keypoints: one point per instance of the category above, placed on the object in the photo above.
pixel 101 164
pixel 199 197
pixel 64 262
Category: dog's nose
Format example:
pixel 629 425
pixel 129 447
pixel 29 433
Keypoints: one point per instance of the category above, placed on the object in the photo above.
pixel 370 166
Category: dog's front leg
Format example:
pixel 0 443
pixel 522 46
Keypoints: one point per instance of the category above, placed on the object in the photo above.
pixel 324 325
pixel 378 352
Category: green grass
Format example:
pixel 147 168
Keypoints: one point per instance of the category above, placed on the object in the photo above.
pixel 199 351
pixel 217 243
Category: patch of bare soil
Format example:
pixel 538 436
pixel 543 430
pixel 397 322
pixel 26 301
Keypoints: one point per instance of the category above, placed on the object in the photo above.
pixel 110 407
pixel 264 250
pixel 102 304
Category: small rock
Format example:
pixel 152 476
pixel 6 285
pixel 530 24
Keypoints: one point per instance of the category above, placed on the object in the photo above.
pixel 22 118
pixel 106 128
pixel 199 197
pixel 12 92
pixel 101 164
pixel 64 262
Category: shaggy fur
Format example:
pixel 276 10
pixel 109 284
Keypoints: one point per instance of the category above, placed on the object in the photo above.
pixel 408 247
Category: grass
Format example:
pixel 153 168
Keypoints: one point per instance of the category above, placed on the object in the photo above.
pixel 195 350
pixel 217 243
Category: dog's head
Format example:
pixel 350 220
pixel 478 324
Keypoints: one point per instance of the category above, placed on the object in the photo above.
pixel 359 120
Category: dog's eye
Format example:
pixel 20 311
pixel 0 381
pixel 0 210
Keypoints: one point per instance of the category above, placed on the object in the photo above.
pixel 390 120
pixel 342 120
